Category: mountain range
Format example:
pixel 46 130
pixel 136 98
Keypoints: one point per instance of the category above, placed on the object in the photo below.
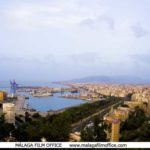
pixel 110 79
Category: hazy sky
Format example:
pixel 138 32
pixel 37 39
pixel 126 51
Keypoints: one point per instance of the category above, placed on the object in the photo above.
pixel 65 39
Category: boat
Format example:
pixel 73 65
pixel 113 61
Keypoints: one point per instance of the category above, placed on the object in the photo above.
pixel 74 91
pixel 26 97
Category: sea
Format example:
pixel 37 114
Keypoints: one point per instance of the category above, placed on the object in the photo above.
pixel 44 104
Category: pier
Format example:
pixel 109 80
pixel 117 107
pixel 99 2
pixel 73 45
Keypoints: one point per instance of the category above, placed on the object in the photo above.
pixel 21 108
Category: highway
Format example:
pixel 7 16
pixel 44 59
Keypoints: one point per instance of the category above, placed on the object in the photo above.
pixel 76 127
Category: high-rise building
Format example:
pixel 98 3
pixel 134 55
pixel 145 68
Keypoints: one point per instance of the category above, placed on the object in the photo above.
pixel 115 133
pixel 115 128
pixel 9 112
pixel 3 95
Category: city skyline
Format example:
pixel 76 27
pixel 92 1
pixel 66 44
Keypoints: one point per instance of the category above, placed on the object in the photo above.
pixel 67 39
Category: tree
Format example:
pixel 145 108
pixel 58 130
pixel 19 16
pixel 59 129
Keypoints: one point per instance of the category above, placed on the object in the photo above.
pixel 27 117
pixel 135 120
pixel 87 134
pixel 61 128
pixel 144 132
pixel 54 129
pixel 5 128
pixel 99 127
pixel 94 133
pixel 134 128
pixel 36 115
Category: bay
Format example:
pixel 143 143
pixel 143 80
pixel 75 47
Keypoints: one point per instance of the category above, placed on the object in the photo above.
pixel 44 104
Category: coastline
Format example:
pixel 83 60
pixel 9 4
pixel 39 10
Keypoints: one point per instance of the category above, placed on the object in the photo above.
pixel 21 108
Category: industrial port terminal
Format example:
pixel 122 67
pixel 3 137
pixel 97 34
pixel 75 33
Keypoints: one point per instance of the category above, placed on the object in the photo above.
pixel 16 101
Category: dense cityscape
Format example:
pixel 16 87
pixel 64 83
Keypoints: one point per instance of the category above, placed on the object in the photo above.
pixel 75 74
pixel 111 112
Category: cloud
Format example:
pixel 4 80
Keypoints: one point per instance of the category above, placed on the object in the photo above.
pixel 139 31
pixel 6 58
pixel 108 20
pixel 87 22
pixel 87 57
pixel 141 57
pixel 83 35
pixel 99 22
pixel 52 13
pixel 36 15
pixel 43 60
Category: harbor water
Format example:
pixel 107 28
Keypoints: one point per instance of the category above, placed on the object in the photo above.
pixel 44 104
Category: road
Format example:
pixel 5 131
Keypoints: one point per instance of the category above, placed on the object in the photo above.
pixel 76 127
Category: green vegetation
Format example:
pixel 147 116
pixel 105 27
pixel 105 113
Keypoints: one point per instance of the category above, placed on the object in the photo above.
pixel 36 115
pixel 55 127
pixel 136 119
pixel 94 133
pixel 129 96
pixel 5 128
pixel 58 126
pixel 78 113
pixel 134 128
pixel 144 132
